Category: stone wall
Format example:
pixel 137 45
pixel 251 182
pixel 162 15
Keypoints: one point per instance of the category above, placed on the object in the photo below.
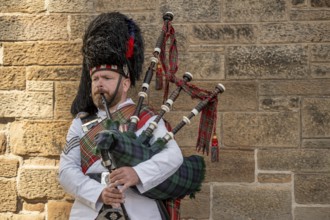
pixel 273 120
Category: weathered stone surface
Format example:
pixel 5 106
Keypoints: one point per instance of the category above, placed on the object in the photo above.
pixel 58 210
pixel 192 11
pixel 254 10
pixel 78 25
pixel 320 3
pixel 40 86
pixel 9 6
pixel 65 92
pixel 9 167
pixel 279 103
pixel 71 6
pixel 198 207
pixel 3 143
pixel 42 138
pixel 223 34
pixel 233 166
pixel 316 117
pixel 1 54
pixel 274 178
pixel 309 15
pixel 320 52
pixel 261 129
pixel 312 188
pixel 295 87
pixel 300 160
pixel 26 104
pixel 211 67
pixel 136 5
pixel 307 213
pixel 62 73
pixel 38 207
pixel 12 78
pixel 41 161
pixel 294 32
pixel 320 70
pixel 316 143
pixel 298 3
pixel 25 216
pixel 267 62
pixel 8 198
pixel 271 202
pixel 39 183
pixel 33 27
pixel 45 53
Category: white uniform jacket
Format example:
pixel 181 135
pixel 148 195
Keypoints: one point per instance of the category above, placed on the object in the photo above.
pixel 86 191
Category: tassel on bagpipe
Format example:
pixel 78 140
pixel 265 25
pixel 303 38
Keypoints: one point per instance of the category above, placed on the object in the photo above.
pixel 130 151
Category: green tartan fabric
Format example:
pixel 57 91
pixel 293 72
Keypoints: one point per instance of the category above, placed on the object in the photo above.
pixel 87 143
pixel 129 150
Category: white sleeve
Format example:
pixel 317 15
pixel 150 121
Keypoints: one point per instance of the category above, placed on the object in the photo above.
pixel 71 176
pixel 162 165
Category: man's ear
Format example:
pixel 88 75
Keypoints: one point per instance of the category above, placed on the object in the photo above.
pixel 126 84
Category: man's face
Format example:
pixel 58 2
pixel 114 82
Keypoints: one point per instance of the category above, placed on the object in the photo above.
pixel 105 81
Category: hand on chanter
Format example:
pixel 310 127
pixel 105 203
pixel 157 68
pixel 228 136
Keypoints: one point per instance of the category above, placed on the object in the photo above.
pixel 111 195
pixel 125 176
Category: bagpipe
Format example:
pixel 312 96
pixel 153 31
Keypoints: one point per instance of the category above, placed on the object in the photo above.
pixel 120 149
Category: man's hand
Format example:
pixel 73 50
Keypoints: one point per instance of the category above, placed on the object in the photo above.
pixel 125 176
pixel 112 196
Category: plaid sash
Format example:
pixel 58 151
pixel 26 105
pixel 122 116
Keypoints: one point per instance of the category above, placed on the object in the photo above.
pixel 87 143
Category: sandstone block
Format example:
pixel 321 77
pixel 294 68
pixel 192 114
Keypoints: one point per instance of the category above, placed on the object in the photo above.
pixel 252 202
pixel 34 207
pixel 307 213
pixel 267 62
pixel 26 104
pixel 34 27
pixel 43 53
pixel 320 70
pixel 301 160
pixel 203 65
pixel 274 178
pixel 39 183
pixel 58 210
pixel 316 117
pixel 42 138
pixel 313 188
pixel 233 166
pixel 12 78
pixel 3 143
pixel 78 25
pixel 296 3
pixel 25 216
pixel 194 11
pixel 198 207
pixel 8 198
pixel 316 143
pixel 320 52
pixel 287 103
pixel 62 73
pixel 295 87
pixel 136 5
pixel 309 15
pixel 294 32
pixel 255 11
pixel 223 34
pixel 65 92
pixel 73 6
pixel 47 86
pixel 8 167
pixel 25 6
pixel 320 3
pixel 261 129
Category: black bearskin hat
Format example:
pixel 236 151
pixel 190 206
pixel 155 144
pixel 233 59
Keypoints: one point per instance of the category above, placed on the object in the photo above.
pixel 113 39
